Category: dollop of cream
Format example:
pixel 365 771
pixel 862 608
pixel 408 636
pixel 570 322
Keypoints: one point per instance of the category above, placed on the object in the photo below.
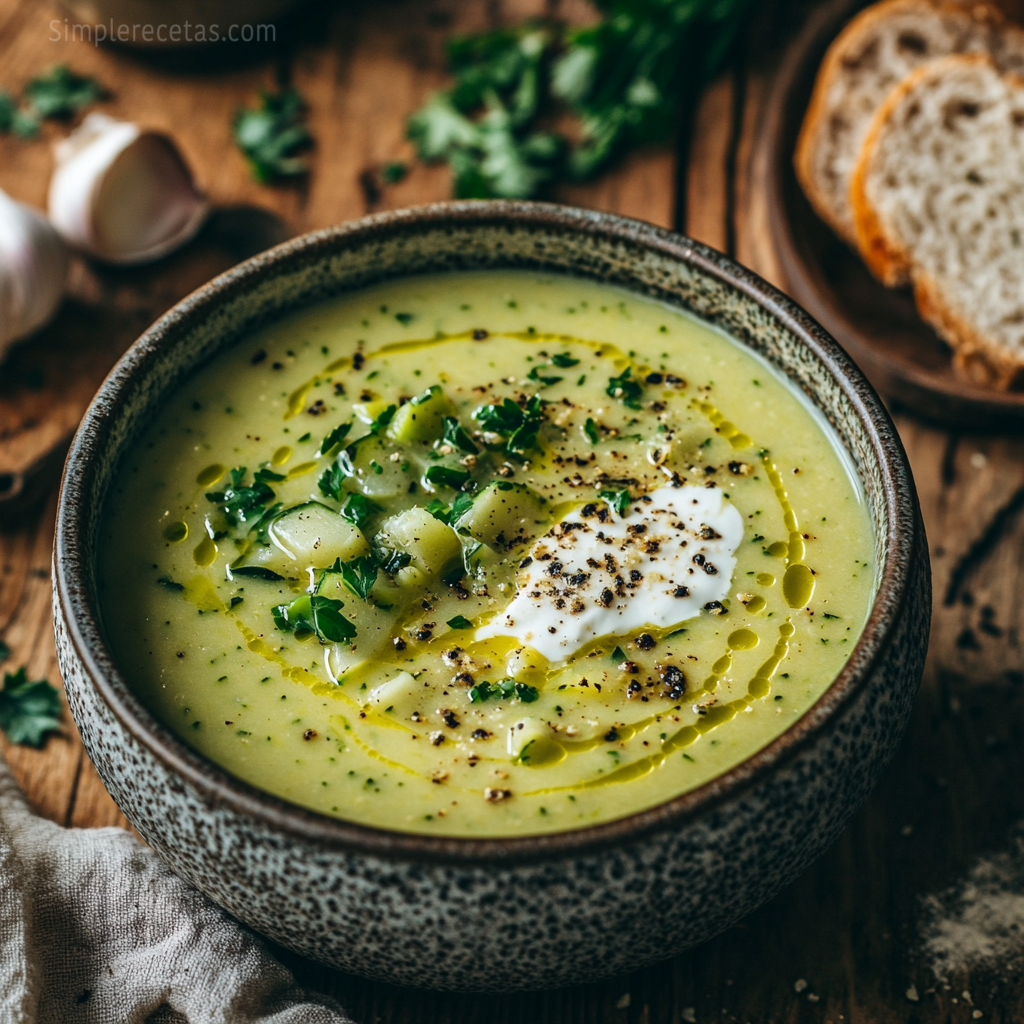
pixel 597 574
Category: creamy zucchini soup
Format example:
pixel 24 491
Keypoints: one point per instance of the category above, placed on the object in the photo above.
pixel 484 554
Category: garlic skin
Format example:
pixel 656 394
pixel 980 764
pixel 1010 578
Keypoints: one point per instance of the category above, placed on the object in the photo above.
pixel 33 270
pixel 122 194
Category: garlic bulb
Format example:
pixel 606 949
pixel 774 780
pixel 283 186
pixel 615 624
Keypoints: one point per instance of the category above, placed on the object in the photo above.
pixel 122 194
pixel 33 269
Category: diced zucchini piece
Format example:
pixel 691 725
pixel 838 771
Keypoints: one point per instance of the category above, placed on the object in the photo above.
pixel 313 536
pixel 431 545
pixel 370 412
pixel 502 515
pixel 368 462
pixel 375 623
pixel 422 418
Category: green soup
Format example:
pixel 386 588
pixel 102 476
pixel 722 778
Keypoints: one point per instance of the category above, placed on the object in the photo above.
pixel 484 554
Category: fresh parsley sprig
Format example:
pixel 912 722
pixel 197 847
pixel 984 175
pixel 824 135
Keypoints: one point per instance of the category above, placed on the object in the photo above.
pixel 507 689
pixel 520 425
pixel 59 93
pixel 28 710
pixel 623 79
pixel 271 135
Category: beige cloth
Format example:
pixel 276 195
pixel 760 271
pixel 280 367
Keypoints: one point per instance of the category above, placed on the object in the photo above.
pixel 95 929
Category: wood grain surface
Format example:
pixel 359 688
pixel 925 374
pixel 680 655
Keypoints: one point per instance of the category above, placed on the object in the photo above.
pixel 841 944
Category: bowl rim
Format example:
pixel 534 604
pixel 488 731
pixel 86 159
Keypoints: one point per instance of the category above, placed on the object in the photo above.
pixel 218 787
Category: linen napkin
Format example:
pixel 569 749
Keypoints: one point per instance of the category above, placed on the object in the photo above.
pixel 95 929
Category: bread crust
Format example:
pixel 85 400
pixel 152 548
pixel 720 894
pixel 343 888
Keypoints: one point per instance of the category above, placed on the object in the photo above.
pixel 885 257
pixel 814 122
pixel 975 356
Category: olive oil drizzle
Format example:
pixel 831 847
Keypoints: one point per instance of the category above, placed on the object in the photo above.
pixel 553 750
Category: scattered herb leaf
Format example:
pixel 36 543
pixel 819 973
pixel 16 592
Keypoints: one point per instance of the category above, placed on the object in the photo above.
pixel 447 476
pixel 460 622
pixel 358 509
pixel 455 435
pixel 28 710
pixel 591 430
pixel 271 134
pixel 334 438
pixel 257 572
pixel 619 500
pixel 328 621
pixel 629 392
pixel 508 689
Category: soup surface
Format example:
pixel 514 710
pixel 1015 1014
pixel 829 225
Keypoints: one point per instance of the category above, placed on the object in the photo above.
pixel 484 554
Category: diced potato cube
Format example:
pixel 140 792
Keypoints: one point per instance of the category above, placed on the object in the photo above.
pixel 422 418
pixel 370 465
pixel 313 536
pixel 503 515
pixel 433 546
pixel 400 695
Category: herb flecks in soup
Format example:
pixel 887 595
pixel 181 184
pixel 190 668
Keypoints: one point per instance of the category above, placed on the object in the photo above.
pixel 484 554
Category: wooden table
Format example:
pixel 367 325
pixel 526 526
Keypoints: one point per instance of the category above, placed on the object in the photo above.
pixel 841 944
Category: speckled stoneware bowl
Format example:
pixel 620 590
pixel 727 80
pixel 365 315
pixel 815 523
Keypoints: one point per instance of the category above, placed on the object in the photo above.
pixel 498 913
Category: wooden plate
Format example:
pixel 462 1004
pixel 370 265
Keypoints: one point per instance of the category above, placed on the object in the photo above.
pixel 879 327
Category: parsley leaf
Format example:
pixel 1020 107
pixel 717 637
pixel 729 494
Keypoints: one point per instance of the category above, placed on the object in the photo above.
pixel 328 621
pixel 61 93
pixel 629 392
pixel 257 572
pixel 330 483
pixel 359 574
pixel 534 374
pixel 358 509
pixel 271 134
pixel 448 514
pixel 28 710
pixel 624 79
pixel 455 435
pixel 619 500
pixel 564 360
pixel 393 560
pixel 508 689
pixel 19 122
pixel 484 126
pixel 460 622
pixel 296 615
pixel 448 476
pixel 239 503
pixel 519 425
pixel 334 438
pixel 591 430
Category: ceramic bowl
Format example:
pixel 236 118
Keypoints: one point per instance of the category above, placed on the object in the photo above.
pixel 498 913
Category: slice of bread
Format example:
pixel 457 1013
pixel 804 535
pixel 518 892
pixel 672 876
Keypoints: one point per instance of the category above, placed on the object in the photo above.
pixel 938 199
pixel 875 51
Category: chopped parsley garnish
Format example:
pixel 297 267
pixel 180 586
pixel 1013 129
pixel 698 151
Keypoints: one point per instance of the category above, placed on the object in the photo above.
pixel 508 689
pixel 623 79
pixel 619 500
pixel 331 483
pixel 271 134
pixel 618 654
pixel 239 503
pixel 61 93
pixel 359 574
pixel 393 560
pixel 448 514
pixel 535 374
pixel 520 425
pixel 628 391
pixel 333 440
pixel 448 476
pixel 564 360
pixel 455 435
pixel 357 508
pixel 591 430
pixel 328 621
pixel 22 123
pixel 296 615
pixel 257 572
pixel 405 318
pixel 460 622
pixel 28 710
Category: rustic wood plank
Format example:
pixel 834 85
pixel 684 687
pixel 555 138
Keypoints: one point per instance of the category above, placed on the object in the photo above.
pixel 708 179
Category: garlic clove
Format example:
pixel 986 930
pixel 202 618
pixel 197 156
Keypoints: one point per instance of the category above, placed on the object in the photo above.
pixel 123 194
pixel 33 270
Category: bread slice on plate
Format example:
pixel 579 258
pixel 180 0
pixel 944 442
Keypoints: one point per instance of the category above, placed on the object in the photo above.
pixel 875 51
pixel 938 199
